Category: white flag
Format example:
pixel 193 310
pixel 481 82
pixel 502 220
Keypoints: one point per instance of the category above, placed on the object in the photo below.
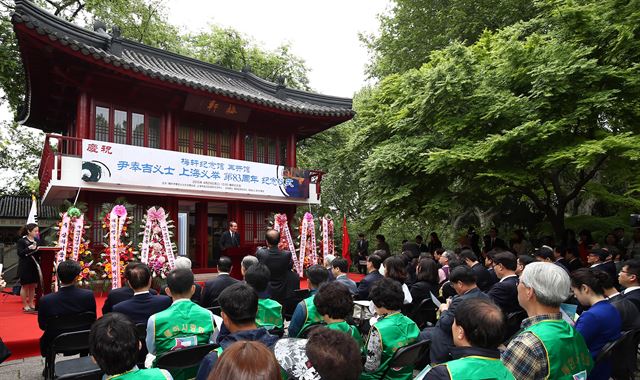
pixel 33 213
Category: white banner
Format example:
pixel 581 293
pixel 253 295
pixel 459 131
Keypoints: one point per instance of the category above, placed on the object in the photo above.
pixel 105 162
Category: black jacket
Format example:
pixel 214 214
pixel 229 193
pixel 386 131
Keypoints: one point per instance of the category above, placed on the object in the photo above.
pixel 69 300
pixel 366 283
pixel 118 295
pixel 420 290
pixel 140 307
pixel 279 263
pixel 226 241
pixel 505 295
pixel 483 277
pixel 213 288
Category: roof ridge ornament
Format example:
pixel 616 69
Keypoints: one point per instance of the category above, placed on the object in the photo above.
pixel 281 87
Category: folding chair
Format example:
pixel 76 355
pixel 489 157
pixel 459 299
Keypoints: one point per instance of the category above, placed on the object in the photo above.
pixel 607 350
pixel 63 324
pixel 83 367
pixel 514 320
pixel 407 356
pixel 141 331
pixel 278 331
pixel 299 295
pixel 185 358
pixel 423 313
pixel 214 309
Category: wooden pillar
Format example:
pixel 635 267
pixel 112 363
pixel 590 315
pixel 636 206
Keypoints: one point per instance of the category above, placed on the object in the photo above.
pixel 238 152
pixel 166 141
pixel 291 150
pixel 82 120
pixel 202 238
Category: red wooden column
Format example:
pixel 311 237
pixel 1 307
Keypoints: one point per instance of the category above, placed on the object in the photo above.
pixel 82 120
pixel 238 144
pixel 291 150
pixel 168 142
pixel 202 239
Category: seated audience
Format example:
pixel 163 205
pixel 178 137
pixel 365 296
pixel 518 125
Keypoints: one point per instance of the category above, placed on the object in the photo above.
pixel 121 294
pixel 183 324
pixel 477 332
pixel 279 264
pixel 246 263
pixel 464 282
pixel 335 304
pixel 600 324
pixel 548 347
pixel 68 301
pixel 483 277
pixel 340 269
pixel 544 254
pixel 426 282
pixel 488 263
pixel 328 259
pixel 505 292
pixel 269 313
pixel 444 259
pixel 292 285
pixel 142 305
pixel 305 314
pixel 573 261
pixel 629 278
pixel 215 286
pixel 558 256
pixel 395 269
pixel 391 331
pixel 446 289
pixel 246 360
pixel 114 346
pixel 183 262
pixel 239 306
pixel 373 276
pixel 523 261
pixel 326 355
pixel 597 258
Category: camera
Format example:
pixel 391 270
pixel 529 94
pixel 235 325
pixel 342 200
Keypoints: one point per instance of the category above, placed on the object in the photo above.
pixel 634 220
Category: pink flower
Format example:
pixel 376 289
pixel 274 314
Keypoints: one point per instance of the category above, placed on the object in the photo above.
pixel 162 259
pixel 120 211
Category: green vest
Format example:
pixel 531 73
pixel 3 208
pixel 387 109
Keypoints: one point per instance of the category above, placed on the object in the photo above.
pixel 313 317
pixel 396 331
pixel 478 367
pixel 183 324
pixel 269 314
pixel 347 328
pixel 143 374
pixel 567 352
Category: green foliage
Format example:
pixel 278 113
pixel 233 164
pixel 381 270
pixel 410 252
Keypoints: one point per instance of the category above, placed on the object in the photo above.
pixel 416 28
pixel 535 110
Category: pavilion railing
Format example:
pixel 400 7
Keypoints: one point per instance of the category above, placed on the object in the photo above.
pixel 55 147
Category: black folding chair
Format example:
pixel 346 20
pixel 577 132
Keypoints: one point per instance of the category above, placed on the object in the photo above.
pixel 423 313
pixel 63 324
pixel 215 310
pixel 277 331
pixel 299 295
pixel 608 349
pixel 185 358
pixel 83 367
pixel 407 356
pixel 141 331
pixel 514 320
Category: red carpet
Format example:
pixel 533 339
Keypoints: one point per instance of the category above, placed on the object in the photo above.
pixel 20 332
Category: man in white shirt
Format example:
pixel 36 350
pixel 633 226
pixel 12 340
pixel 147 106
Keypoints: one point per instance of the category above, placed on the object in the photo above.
pixel 629 278
pixel 505 292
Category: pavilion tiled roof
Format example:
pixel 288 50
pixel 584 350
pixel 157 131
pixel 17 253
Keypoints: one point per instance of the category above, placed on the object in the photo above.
pixel 17 207
pixel 173 68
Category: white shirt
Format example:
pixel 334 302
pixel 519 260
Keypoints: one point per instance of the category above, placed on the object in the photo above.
pixel 509 276
pixel 136 293
pixel 630 289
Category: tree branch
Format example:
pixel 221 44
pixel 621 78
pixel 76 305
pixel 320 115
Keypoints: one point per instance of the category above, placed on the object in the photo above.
pixel 586 178
pixel 547 192
pixel 75 13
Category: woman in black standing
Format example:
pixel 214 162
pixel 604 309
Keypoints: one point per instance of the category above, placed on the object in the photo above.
pixel 27 247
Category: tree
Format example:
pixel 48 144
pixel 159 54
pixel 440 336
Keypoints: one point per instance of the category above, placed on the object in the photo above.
pixel 415 28
pixel 533 111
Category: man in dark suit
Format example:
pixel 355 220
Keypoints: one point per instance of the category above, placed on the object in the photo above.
pixel 483 277
pixel 463 280
pixel 68 301
pixel 573 261
pixel 279 263
pixel 629 278
pixel 230 238
pixel 121 294
pixel 492 241
pixel 505 292
pixel 215 286
pixel 340 269
pixel 142 305
pixel 373 267
pixel 362 249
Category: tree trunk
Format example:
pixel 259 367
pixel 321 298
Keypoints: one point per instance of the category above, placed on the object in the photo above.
pixel 557 224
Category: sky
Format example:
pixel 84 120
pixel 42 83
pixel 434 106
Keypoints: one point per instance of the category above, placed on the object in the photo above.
pixel 323 33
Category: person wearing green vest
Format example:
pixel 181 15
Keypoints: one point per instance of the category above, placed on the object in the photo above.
pixel 477 331
pixel 183 324
pixel 269 313
pixel 548 347
pixel 239 305
pixel 305 315
pixel 114 345
pixel 392 331
pixel 335 303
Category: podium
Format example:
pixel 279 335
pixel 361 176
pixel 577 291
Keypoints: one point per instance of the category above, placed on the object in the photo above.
pixel 47 258
pixel 236 254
